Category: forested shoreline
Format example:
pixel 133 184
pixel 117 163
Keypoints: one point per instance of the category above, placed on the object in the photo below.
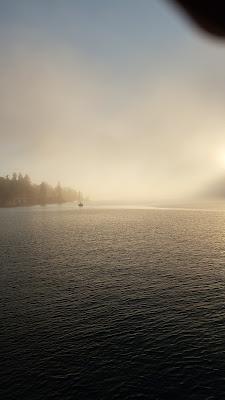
pixel 18 190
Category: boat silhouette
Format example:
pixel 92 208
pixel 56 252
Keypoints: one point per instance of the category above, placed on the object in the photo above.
pixel 80 203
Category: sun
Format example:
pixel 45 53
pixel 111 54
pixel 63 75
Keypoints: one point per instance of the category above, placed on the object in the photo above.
pixel 221 159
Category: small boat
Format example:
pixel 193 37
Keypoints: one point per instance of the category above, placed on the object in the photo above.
pixel 80 204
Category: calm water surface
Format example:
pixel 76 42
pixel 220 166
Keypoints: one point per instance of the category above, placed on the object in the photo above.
pixel 112 303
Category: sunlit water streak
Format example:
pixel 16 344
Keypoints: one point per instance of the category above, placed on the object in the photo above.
pixel 112 303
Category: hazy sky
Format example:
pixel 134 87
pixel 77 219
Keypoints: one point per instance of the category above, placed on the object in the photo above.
pixel 122 99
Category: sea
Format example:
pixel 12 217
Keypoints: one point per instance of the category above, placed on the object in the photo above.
pixel 112 303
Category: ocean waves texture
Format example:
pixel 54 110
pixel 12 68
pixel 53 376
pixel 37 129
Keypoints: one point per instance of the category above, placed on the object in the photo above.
pixel 112 304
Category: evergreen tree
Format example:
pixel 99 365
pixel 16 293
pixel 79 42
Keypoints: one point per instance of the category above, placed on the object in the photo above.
pixel 19 190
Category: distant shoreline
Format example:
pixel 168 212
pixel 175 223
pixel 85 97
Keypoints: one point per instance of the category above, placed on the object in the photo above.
pixel 35 205
pixel 19 191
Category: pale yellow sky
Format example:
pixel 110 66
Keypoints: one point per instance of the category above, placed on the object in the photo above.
pixel 150 130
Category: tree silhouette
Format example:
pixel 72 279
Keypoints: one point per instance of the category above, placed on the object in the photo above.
pixel 58 193
pixel 20 191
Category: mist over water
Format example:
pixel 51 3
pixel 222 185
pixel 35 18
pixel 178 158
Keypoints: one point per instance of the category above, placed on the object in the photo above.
pixel 119 293
pixel 111 303
pixel 120 113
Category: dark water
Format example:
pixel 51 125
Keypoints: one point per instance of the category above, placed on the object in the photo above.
pixel 112 304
